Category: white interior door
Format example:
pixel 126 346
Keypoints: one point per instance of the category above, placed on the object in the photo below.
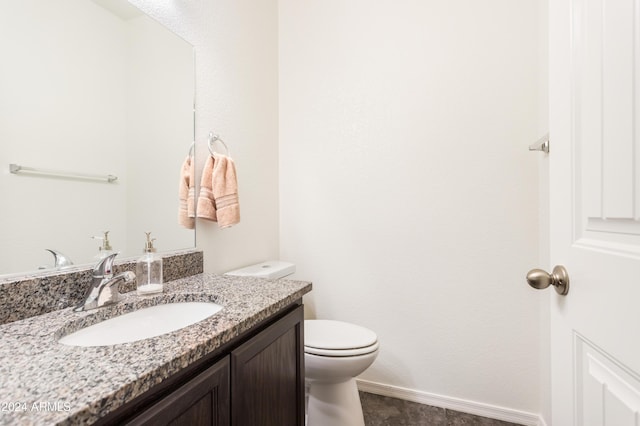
pixel 595 210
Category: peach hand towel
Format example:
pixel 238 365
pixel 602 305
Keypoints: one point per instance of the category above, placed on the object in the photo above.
pixel 206 203
pixel 225 191
pixel 186 194
pixel 218 200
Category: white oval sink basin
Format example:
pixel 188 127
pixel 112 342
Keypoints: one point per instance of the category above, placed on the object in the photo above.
pixel 141 324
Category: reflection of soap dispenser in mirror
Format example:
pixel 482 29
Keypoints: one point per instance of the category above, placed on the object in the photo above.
pixel 149 270
pixel 105 249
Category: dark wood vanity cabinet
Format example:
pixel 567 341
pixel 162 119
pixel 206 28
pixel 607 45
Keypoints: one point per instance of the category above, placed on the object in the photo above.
pixel 257 380
pixel 202 401
pixel 267 376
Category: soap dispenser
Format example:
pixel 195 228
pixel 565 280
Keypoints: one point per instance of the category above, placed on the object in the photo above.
pixel 105 249
pixel 149 270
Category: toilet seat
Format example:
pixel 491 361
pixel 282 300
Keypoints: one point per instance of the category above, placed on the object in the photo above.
pixel 338 339
pixel 341 352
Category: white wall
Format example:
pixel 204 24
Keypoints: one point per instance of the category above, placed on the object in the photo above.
pixel 407 192
pixel 544 210
pixel 237 97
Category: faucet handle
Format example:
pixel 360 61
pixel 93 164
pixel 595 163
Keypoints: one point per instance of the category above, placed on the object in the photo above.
pixel 104 268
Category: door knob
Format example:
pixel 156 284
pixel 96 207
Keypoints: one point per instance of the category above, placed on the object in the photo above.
pixel 559 278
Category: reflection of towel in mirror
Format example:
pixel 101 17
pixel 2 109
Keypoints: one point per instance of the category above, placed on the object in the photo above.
pixel 218 199
pixel 187 194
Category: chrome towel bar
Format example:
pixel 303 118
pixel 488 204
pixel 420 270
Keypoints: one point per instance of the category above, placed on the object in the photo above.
pixel 16 168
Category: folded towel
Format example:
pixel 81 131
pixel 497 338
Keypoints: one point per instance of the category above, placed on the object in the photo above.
pixel 225 191
pixel 206 203
pixel 186 194
pixel 218 199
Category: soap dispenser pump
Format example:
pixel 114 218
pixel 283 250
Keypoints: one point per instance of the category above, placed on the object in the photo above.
pixel 149 270
pixel 105 249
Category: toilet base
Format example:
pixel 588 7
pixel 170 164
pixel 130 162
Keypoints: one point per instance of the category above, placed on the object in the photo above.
pixel 335 404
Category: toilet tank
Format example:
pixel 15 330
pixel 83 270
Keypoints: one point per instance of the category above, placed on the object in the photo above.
pixel 271 269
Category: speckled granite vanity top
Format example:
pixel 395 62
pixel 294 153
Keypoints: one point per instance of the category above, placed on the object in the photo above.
pixel 45 382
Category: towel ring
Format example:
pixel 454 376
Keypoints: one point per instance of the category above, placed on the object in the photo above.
pixel 212 139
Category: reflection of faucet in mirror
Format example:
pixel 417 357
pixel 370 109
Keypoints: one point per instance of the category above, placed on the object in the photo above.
pixel 104 285
pixel 59 259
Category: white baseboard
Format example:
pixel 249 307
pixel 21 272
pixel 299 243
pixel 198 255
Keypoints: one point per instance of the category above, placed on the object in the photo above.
pixel 465 406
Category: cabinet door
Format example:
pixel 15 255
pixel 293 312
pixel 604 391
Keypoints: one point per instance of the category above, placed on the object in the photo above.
pixel 267 376
pixel 204 400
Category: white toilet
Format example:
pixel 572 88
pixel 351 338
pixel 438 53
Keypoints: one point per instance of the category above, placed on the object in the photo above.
pixel 335 352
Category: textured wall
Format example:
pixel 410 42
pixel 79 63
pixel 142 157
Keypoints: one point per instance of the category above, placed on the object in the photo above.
pixel 407 192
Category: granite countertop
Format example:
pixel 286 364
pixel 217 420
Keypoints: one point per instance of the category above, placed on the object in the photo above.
pixel 44 382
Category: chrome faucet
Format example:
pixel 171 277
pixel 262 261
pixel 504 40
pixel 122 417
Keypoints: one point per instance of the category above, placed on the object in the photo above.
pixel 59 259
pixel 104 286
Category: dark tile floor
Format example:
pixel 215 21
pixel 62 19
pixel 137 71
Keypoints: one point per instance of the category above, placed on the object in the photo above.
pixel 385 411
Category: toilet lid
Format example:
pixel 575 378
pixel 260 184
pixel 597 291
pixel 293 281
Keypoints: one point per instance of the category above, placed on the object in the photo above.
pixel 329 335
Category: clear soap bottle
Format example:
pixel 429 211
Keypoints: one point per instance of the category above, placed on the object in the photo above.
pixel 149 270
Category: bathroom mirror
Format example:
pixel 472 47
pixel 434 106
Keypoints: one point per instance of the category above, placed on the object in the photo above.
pixel 90 87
